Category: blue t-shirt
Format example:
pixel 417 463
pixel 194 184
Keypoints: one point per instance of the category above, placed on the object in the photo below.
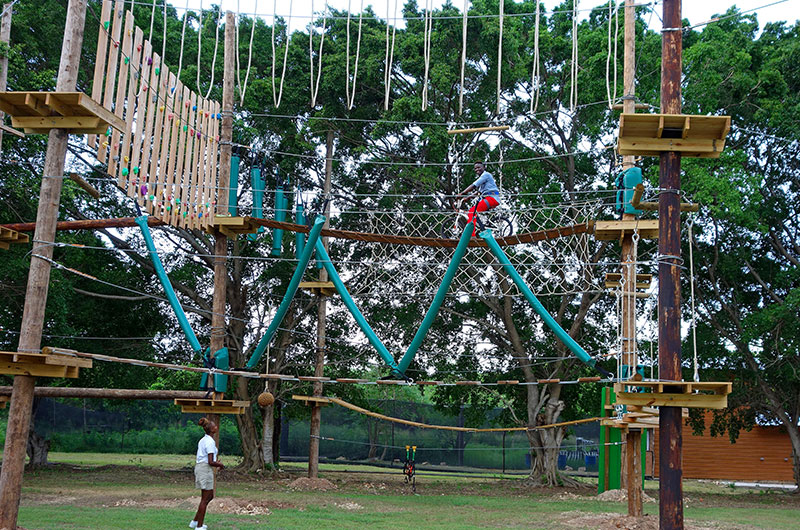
pixel 486 185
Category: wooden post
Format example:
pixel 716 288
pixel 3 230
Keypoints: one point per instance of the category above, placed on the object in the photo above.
pixel 5 38
pixel 218 326
pixel 631 452
pixel 669 292
pixel 322 310
pixel 19 415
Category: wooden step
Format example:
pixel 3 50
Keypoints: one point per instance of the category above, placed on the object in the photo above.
pixel 711 395
pixel 45 364
pixel 610 230
pixel 9 237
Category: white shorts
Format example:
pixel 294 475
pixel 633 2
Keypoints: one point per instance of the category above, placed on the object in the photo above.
pixel 203 476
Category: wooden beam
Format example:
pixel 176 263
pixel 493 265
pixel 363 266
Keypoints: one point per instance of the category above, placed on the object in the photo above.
pixel 88 188
pixel 479 129
pixel 87 224
pixel 108 393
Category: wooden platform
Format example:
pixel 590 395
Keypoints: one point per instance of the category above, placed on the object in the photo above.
pixel 313 400
pixel 39 112
pixel 234 226
pixel 212 406
pixel 642 280
pixel 610 230
pixel 653 134
pixel 704 395
pixel 46 364
pixel 326 288
pixel 8 237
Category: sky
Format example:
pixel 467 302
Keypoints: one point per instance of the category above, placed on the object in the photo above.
pixel 696 11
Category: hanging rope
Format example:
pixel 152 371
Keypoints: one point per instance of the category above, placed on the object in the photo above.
pixel 573 93
pixel 183 34
pixel 164 36
pixel 214 59
pixel 152 17
pixel 243 88
pixel 387 75
pixel 315 87
pixel 535 74
pixel 428 21
pixel 351 94
pixel 690 223
pixel 612 95
pixel 199 48
pixel 463 58
pixel 276 98
pixel 500 54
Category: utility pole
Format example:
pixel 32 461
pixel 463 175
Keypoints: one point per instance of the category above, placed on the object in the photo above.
pixel 30 338
pixel 669 291
pixel 631 464
pixel 322 312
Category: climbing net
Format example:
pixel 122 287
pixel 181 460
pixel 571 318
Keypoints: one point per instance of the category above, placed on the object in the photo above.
pixel 549 245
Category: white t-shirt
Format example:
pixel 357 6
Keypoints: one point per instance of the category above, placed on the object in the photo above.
pixel 205 447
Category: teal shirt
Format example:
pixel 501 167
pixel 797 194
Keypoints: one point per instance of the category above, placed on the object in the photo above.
pixel 486 185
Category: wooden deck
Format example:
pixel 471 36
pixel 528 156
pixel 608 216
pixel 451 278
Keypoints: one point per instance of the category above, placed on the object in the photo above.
pixel 653 134
pixel 610 230
pixel 711 395
pixel 45 364
pixel 39 112
pixel 9 237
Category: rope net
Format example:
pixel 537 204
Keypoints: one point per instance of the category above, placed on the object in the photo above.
pixel 540 240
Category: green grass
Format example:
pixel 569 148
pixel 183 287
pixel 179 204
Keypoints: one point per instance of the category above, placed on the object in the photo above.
pixel 117 491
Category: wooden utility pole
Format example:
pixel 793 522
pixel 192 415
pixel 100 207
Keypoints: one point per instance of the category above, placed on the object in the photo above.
pixel 669 290
pixel 631 464
pixel 322 312
pixel 5 38
pixel 30 338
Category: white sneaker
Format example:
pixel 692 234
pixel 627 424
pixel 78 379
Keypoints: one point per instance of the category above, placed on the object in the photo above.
pixel 193 524
pixel 204 527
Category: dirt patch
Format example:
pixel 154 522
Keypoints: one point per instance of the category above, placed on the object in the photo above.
pixel 238 506
pixel 621 496
pixel 347 505
pixel 311 484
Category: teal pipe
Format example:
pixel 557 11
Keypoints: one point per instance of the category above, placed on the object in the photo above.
pixel 299 218
pixel 573 346
pixel 257 184
pixel 433 310
pixel 280 216
pixel 170 292
pixel 325 260
pixel 233 198
pixel 313 236
pixel 221 362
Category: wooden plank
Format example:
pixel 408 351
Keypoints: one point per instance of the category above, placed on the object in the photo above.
pixel 350 380
pixel 164 177
pixel 206 186
pixel 691 147
pixel 508 382
pixel 611 230
pixel 66 360
pixel 113 55
pixel 100 58
pixel 123 81
pixel 35 369
pixel 45 123
pixel 52 102
pixel 212 410
pixel 186 174
pixel 182 104
pixel 155 176
pixel 313 399
pixel 194 189
pixel 709 401
pixel 215 165
pixel 130 113
pixel 153 82
pixel 142 104
pixel 173 121
pixel 429 383
pixel 34 104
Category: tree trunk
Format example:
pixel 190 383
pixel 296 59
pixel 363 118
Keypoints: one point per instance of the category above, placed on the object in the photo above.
pixel 37 450
pixel 277 435
pixel 252 459
pixel 268 434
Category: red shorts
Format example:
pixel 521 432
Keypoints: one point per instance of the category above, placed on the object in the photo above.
pixel 486 203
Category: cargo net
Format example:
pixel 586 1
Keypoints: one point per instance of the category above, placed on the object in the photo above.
pixel 548 244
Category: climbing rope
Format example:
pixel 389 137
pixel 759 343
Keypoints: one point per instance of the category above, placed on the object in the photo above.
pixel 500 53
pixel 276 99
pixel 243 88
pixel 535 74
pixel 428 22
pixel 214 58
pixel 463 58
pixel 315 87
pixel 387 75
pixel 183 34
pixel 613 9
pixel 351 94
pixel 573 93
pixel 690 228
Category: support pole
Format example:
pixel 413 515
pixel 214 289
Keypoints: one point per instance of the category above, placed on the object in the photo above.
pixel 630 361
pixel 669 292
pixel 5 38
pixel 322 311
pixel 30 339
